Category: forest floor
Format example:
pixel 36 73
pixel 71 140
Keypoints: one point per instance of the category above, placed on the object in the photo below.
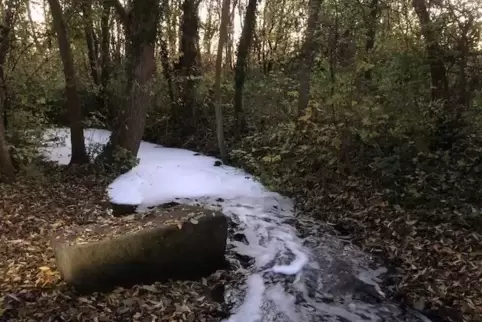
pixel 30 287
pixel 435 254
pixel 424 221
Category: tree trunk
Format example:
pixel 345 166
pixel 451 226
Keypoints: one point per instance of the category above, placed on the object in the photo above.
pixel 230 37
pixel 34 33
pixel 188 69
pixel 89 37
pixel 172 32
pixel 167 70
pixel 105 59
pixel 142 22
pixel 372 23
pixel 6 166
pixel 241 65
pixel 310 46
pixel 117 42
pixel 209 31
pixel 447 122
pixel 79 154
pixel 463 48
pixel 438 73
pixel 223 32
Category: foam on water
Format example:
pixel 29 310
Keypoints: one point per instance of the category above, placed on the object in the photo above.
pixel 290 279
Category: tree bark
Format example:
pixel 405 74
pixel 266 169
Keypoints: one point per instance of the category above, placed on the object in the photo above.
pixel 230 37
pixel 79 154
pixel 6 166
pixel 172 22
pixel 209 31
pixel 188 69
pixel 310 46
pixel 242 63
pixel 223 33
pixel 105 58
pixel 372 23
pixel 167 70
pixel 89 37
pixel 438 72
pixel 142 20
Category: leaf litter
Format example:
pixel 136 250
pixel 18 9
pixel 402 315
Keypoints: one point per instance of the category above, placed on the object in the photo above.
pixel 31 289
pixel 109 227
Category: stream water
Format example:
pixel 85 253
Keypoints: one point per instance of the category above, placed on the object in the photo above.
pixel 292 271
pixel 299 274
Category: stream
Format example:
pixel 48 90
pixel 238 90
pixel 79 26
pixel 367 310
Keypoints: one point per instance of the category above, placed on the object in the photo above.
pixel 317 277
pixel 293 271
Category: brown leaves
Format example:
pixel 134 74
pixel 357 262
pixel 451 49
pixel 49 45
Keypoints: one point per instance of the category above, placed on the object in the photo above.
pixel 46 277
pixel 440 264
pixel 31 211
pixel 419 211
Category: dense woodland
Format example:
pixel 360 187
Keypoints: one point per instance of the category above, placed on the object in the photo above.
pixel 367 112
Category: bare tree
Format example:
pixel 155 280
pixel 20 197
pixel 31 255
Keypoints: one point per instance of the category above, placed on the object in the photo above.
pixel 79 154
pixel 223 33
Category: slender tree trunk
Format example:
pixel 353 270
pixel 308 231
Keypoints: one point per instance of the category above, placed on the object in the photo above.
pixel 172 22
pixel 447 122
pixel 371 33
pixel 438 73
pixel 188 69
pixel 105 59
pixel 32 26
pixel 117 42
pixel 6 166
pixel 333 58
pixel 230 37
pixel 89 37
pixel 463 98
pixel 223 32
pixel 79 154
pixel 242 63
pixel 309 48
pixel 141 23
pixel 167 70
pixel 209 33
pixel 164 54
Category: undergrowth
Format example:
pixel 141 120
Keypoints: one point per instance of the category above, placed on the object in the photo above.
pixel 398 195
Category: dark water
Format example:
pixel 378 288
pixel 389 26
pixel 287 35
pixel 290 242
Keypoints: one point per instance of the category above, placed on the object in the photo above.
pixel 300 274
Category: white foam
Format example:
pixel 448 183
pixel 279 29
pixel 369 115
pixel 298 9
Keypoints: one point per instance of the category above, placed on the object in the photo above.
pixel 285 303
pixel 168 174
pixel 301 259
pixel 250 310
